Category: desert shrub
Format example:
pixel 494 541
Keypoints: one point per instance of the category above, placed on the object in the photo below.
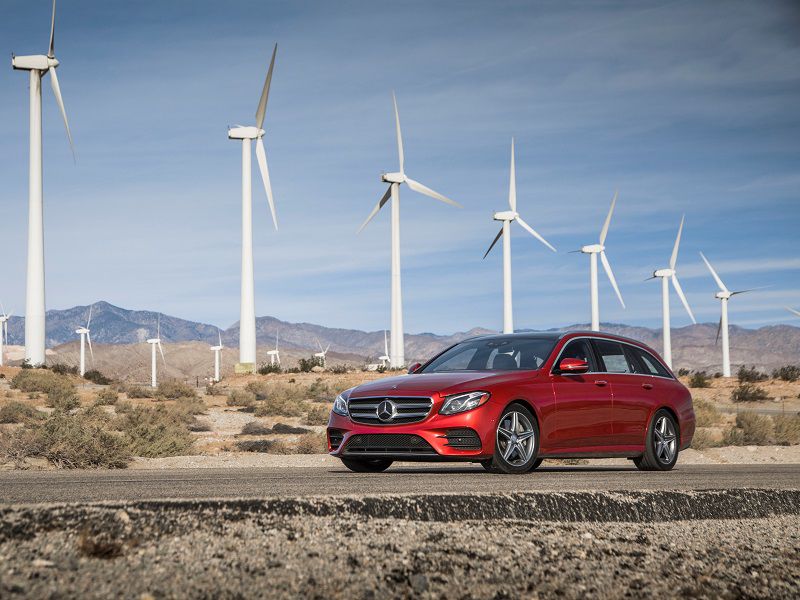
pixel 97 377
pixel 123 406
pixel 199 425
pixel 139 391
pixel 37 380
pixel 72 441
pixel 19 412
pixel 339 369
pixel 320 391
pixel 280 406
pixel 63 396
pixel 750 375
pixel 259 389
pixel 703 439
pixel 683 372
pixel 174 389
pixel 787 373
pixel 787 429
pixel 317 415
pixel 26 364
pixel 312 443
pixel 267 368
pixel 255 428
pixel 705 413
pixel 61 369
pixel 750 429
pixel 304 365
pixel 106 397
pixel 748 392
pixel 257 446
pixel 699 379
pixel 154 432
pixel 190 406
pixel 243 398
pixel 290 429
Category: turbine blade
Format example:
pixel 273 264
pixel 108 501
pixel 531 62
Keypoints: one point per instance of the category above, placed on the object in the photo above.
pixel 512 182
pixel 262 103
pixel 160 349
pixel 60 102
pixel 674 258
pixel 494 241
pixel 386 341
pixel 91 352
pixel 719 330
pixel 418 187
pixel 721 285
pixel 604 230
pixel 761 287
pixel 676 284
pixel 51 53
pixel 533 232
pixel 384 199
pixel 89 320
pixel 219 333
pixel 793 311
pixel 610 274
pixel 399 135
pixel 262 167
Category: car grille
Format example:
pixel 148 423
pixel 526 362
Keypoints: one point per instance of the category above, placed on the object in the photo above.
pixel 335 436
pixel 463 439
pixel 387 443
pixel 407 410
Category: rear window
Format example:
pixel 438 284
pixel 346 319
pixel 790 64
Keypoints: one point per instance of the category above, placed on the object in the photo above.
pixel 652 366
pixel 613 356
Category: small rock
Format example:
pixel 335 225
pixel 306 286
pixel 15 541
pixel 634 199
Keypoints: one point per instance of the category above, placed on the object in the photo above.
pixel 41 563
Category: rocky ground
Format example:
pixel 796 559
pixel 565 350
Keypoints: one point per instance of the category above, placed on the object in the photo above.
pixel 204 551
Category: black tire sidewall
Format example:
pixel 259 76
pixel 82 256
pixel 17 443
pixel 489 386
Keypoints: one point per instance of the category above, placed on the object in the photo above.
pixel 499 464
pixel 367 465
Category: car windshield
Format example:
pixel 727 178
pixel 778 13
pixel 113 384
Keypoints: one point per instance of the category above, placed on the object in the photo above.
pixel 493 354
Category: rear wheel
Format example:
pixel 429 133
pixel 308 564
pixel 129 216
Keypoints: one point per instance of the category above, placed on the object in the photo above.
pixel 661 444
pixel 367 465
pixel 516 441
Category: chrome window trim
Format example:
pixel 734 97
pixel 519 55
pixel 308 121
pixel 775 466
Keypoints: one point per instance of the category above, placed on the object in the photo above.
pixel 592 337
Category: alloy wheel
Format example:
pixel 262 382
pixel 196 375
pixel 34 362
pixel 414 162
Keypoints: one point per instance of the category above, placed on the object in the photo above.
pixel 664 439
pixel 516 438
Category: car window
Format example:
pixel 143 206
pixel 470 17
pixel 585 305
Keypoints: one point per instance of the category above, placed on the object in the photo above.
pixel 651 365
pixel 458 361
pixel 500 353
pixel 633 360
pixel 613 356
pixel 581 350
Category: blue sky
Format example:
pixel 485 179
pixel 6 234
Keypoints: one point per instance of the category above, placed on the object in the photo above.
pixel 686 107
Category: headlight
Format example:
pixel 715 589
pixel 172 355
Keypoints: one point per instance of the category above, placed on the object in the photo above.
pixel 458 403
pixel 340 404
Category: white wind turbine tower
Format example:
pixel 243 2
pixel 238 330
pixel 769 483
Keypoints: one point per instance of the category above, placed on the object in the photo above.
pixel 3 334
pixel 593 250
pixel 723 295
pixel 275 355
pixel 38 66
pixel 247 320
pixel 85 336
pixel 385 358
pixel 322 353
pixel 397 351
pixel 666 276
pixel 156 341
pixel 506 217
pixel 217 350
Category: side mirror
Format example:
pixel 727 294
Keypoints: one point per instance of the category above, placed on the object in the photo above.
pixel 414 368
pixel 573 365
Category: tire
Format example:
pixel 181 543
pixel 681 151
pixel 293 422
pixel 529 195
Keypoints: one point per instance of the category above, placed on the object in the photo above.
pixel 662 443
pixel 516 421
pixel 367 465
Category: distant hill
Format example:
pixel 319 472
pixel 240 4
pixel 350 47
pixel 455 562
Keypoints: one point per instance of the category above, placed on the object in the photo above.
pixel 693 347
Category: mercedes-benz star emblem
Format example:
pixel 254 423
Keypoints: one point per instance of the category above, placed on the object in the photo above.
pixel 386 411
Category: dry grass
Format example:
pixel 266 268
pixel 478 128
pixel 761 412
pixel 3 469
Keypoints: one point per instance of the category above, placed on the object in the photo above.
pixel 155 432
pixel 706 414
pixel 750 429
pixel 106 397
pixel 317 415
pixel 787 429
pixel 255 428
pixel 173 389
pixel 19 412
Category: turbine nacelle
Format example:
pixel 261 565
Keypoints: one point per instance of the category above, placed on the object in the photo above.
pixel 723 295
pixel 37 62
pixel 664 273
pixel 505 215
pixel 82 331
pixel 154 341
pixel 593 249
pixel 215 348
pixel 245 133
pixel 393 177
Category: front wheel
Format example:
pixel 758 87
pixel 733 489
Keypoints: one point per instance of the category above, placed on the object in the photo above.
pixel 516 441
pixel 661 444
pixel 367 465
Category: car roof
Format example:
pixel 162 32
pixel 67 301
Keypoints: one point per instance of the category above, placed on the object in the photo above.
pixel 556 336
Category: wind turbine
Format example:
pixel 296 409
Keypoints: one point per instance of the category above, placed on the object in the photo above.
pixel 217 350
pixel 156 341
pixel 506 217
pixel 791 310
pixel 247 320
pixel 666 276
pixel 38 65
pixel 723 295
pixel 397 352
pixel 385 358
pixel 322 353
pixel 593 250
pixel 3 334
pixel 274 355
pixel 85 336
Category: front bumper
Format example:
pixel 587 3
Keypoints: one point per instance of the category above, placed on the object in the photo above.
pixel 467 437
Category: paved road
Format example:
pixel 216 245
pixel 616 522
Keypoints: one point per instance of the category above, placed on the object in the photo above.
pixel 85 486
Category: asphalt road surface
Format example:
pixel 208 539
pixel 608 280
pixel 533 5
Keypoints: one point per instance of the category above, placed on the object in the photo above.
pixel 18 487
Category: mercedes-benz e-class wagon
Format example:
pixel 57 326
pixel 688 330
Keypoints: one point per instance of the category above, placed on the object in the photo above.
pixel 510 401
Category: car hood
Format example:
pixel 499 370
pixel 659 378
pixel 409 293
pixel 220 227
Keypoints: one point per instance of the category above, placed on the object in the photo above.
pixel 432 383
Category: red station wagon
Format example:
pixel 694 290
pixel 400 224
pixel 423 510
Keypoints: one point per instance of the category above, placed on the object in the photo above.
pixel 510 401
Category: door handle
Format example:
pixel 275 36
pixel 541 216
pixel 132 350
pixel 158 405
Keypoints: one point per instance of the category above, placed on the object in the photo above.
pixel 600 382
pixel 647 386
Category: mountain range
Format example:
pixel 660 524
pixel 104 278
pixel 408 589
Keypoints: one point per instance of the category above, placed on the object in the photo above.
pixel 694 346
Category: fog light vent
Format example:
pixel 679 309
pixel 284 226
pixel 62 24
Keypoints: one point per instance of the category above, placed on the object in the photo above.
pixel 463 438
